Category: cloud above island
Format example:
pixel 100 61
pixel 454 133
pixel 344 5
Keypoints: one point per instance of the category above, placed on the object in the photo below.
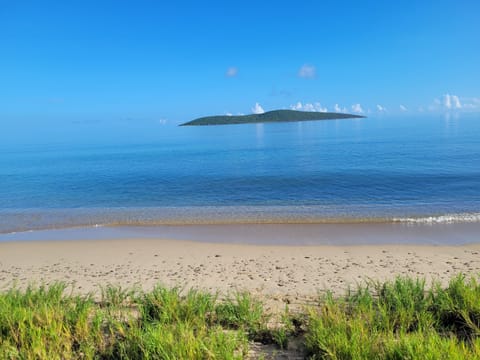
pixel 315 107
pixel 357 108
pixel 257 109
pixel 447 103
pixel 339 109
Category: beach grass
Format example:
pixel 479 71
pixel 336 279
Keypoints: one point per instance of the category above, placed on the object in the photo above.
pixel 400 319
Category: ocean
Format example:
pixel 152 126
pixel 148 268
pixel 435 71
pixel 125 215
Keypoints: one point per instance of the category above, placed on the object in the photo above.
pixel 411 169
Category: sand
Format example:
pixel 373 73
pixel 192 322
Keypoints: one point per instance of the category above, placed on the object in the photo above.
pixel 277 274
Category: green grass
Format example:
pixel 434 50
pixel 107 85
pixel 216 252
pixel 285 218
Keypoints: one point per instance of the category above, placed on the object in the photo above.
pixel 401 319
pixel 398 320
pixel 44 323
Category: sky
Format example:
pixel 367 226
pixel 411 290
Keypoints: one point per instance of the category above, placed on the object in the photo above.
pixel 179 60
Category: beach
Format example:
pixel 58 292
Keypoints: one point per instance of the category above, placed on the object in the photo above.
pixel 279 275
pixel 178 182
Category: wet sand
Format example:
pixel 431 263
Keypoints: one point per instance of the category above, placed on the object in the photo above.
pixel 279 274
pixel 368 233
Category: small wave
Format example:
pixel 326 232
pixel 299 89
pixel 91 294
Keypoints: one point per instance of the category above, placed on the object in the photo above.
pixel 441 219
pixel 38 220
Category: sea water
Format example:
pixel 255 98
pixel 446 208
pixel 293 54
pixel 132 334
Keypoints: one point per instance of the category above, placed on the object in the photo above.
pixel 411 169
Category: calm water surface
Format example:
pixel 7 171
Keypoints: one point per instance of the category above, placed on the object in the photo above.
pixel 412 169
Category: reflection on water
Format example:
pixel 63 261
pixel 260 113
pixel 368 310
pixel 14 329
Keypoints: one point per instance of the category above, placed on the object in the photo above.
pixel 259 134
pixel 451 123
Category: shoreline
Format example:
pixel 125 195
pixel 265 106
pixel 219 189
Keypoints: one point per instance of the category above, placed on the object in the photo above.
pixel 280 274
pixel 42 219
pixel 293 234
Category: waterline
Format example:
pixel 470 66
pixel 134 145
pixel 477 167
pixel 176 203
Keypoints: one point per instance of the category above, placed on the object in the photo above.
pixel 272 234
pixel 20 220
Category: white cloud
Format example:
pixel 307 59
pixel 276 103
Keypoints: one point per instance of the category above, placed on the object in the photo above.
pixel 357 108
pixel 381 108
pixel 446 103
pixel 307 71
pixel 319 107
pixel 456 102
pixel 339 109
pixel 228 114
pixel 451 102
pixel 315 107
pixel 471 103
pixel 297 106
pixel 257 109
pixel 309 107
pixel 231 72
pixel 403 108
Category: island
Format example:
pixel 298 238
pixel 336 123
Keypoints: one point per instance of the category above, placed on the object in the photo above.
pixel 269 117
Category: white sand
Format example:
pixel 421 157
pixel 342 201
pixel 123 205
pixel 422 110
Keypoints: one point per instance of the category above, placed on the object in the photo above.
pixel 278 274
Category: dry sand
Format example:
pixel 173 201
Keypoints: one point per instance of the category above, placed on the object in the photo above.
pixel 278 274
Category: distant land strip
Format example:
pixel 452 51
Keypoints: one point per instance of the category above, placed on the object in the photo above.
pixel 269 117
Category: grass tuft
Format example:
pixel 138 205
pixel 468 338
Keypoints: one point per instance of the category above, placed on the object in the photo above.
pixel 245 313
pixel 400 319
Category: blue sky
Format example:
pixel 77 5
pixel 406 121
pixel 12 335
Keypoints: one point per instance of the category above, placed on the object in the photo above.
pixel 174 61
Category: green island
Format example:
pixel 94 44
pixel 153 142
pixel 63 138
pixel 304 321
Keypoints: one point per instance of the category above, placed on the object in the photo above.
pixel 269 117
pixel 400 319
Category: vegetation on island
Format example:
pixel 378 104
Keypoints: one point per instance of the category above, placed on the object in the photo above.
pixel 269 117
pixel 401 319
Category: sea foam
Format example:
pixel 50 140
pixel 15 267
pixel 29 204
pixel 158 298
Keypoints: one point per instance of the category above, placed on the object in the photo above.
pixel 441 219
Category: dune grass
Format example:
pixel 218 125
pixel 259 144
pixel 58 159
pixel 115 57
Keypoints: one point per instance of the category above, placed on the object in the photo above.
pixel 44 323
pixel 398 320
pixel 401 319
